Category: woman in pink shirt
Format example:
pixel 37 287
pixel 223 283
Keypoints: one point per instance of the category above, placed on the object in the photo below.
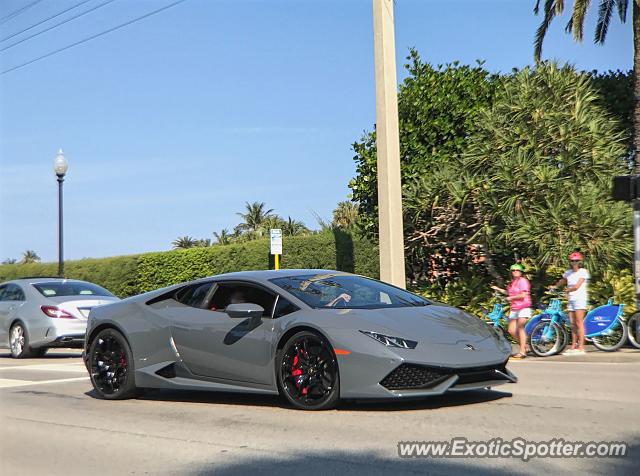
pixel 519 296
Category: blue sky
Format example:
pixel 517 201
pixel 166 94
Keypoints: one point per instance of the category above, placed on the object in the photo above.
pixel 171 124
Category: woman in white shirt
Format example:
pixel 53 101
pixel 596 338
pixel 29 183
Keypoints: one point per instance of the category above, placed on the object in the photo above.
pixel 576 279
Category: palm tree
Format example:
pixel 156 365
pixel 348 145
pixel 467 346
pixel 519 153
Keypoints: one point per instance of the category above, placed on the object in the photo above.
pixel 292 227
pixel 254 217
pixel 222 238
pixel 575 26
pixel 184 242
pixel 30 256
pixel 345 215
pixel 325 225
pixel 9 261
pixel 203 242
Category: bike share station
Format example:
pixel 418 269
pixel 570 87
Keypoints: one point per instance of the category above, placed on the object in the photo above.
pixel 549 332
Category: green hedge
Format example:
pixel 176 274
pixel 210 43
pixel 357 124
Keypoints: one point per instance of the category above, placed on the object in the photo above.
pixel 129 275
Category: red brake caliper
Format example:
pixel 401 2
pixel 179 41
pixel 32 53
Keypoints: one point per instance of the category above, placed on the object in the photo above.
pixel 296 372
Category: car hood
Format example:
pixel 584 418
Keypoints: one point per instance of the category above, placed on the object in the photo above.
pixel 432 324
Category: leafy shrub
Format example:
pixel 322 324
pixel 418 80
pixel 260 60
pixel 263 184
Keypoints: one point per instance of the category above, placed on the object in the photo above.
pixel 129 275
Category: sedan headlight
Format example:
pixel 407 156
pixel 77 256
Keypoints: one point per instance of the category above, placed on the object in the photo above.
pixel 391 341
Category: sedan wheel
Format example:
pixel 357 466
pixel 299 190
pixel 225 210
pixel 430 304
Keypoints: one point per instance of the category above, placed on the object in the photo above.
pixel 111 366
pixel 19 342
pixel 308 372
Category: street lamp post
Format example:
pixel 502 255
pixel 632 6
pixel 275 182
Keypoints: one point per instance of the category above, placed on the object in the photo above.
pixel 60 167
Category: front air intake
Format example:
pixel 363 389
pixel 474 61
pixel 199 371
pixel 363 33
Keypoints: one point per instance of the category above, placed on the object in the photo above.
pixel 410 376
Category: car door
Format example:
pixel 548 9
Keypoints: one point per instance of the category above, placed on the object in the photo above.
pixel 11 299
pixel 4 318
pixel 212 344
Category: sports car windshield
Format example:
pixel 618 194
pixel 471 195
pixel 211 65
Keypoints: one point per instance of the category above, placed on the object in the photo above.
pixel 70 288
pixel 347 292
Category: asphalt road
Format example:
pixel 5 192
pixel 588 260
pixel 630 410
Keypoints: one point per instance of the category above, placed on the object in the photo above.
pixel 51 423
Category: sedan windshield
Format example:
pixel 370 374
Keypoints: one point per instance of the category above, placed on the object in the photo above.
pixel 347 292
pixel 70 288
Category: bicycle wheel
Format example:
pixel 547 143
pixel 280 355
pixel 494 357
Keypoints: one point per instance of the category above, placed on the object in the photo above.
pixel 546 338
pixel 612 339
pixel 566 337
pixel 633 327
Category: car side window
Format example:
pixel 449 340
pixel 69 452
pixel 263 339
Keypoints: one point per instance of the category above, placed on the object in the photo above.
pixel 194 295
pixel 284 307
pixel 13 293
pixel 2 288
pixel 237 293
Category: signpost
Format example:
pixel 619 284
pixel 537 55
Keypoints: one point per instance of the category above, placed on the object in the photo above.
pixel 276 245
pixel 626 188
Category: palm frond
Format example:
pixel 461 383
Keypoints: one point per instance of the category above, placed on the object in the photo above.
pixel 622 9
pixel 580 8
pixel 604 18
pixel 541 32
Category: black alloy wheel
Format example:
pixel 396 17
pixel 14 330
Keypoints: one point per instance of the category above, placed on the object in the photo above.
pixel 111 366
pixel 307 372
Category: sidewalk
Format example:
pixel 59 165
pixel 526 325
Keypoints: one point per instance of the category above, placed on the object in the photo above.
pixel 626 355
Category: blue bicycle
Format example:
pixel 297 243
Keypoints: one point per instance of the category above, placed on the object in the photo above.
pixel 496 315
pixel 550 331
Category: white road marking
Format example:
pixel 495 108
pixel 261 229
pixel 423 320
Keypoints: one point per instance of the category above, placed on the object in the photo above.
pixel 75 367
pixel 10 383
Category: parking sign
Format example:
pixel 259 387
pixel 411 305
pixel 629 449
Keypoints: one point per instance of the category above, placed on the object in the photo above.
pixel 276 241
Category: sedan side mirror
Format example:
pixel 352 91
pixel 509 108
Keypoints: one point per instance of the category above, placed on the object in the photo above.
pixel 245 310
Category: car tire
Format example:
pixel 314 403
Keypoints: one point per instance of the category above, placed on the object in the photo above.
pixel 19 342
pixel 111 366
pixel 307 372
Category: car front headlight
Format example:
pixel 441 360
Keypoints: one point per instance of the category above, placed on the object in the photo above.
pixel 390 341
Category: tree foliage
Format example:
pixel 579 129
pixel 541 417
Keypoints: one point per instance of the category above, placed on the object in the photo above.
pixel 533 182
pixel 437 108
pixel 526 177
pixel 345 215
pixel 134 274
pixel 30 256
pixel 184 242
pixel 575 24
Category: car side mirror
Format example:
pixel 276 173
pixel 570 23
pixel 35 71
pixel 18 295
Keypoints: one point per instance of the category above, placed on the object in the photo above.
pixel 245 310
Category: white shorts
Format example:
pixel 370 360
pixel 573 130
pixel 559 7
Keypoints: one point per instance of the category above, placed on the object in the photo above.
pixel 521 314
pixel 577 304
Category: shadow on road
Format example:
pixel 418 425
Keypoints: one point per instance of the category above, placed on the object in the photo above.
pixel 222 398
pixel 356 463
pixel 48 356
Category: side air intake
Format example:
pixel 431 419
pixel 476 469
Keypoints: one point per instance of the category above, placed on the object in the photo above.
pixel 167 372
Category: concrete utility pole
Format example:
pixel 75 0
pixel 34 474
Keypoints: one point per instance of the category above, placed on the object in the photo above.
pixel 388 147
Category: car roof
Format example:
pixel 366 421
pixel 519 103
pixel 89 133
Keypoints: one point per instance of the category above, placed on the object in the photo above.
pixel 42 279
pixel 268 274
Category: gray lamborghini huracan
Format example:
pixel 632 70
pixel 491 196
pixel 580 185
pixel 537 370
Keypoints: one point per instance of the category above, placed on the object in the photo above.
pixel 314 336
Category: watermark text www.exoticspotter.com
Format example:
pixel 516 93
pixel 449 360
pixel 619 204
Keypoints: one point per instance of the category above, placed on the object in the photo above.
pixel 517 448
